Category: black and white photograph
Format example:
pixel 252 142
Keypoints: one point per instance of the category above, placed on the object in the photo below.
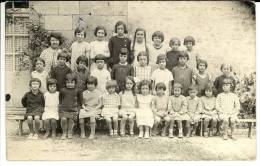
pixel 129 80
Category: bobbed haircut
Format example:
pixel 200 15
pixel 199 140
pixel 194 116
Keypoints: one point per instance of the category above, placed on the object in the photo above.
pixel 51 81
pixel 209 87
pixel 174 40
pixel 226 65
pixel 133 81
pixel 92 80
pixel 160 85
pixel 82 58
pixel 79 30
pixel 202 61
pixel 227 81
pixel 63 54
pixel 158 34
pixel 144 83
pixel 111 84
pixel 38 59
pixel 121 23
pixel 189 39
pixel 161 57
pixel 143 53
pixel 35 80
pixel 55 35
pixel 100 57
pixel 183 54
pixel 71 77
pixel 100 28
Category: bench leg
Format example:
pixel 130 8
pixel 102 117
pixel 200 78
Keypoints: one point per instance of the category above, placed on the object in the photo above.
pixel 201 127
pixel 20 127
pixel 249 129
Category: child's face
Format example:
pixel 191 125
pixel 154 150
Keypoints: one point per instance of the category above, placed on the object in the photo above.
pixel 192 93
pixel 39 66
pixel 100 34
pixel 129 84
pixel 52 88
pixel 100 64
pixel 80 36
pixel 54 42
pixel 62 61
pixel 111 90
pixel 183 61
pixel 123 58
pixel 177 92
pixel 175 46
pixel 143 61
pixel 160 92
pixel 120 30
pixel 91 86
pixel 226 70
pixel 140 36
pixel 226 87
pixel 82 65
pixel 208 93
pixel 35 86
pixel 157 40
pixel 145 90
pixel 189 45
pixel 202 67
pixel 70 84
pixel 162 64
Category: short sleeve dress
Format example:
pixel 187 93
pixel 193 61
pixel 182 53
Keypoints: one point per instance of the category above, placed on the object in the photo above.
pixel 51 109
pixel 90 101
pixel 144 113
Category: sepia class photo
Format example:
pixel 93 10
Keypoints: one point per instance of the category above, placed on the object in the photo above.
pixel 130 80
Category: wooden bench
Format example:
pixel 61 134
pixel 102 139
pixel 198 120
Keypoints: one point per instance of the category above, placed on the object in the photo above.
pixel 250 122
pixel 18 115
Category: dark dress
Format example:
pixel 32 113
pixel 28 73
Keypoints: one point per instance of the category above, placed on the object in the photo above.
pixel 34 104
pixel 115 44
pixel 184 77
pixel 59 73
pixel 172 61
pixel 70 102
pixel 119 73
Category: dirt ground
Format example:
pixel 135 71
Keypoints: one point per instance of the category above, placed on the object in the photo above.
pixel 128 148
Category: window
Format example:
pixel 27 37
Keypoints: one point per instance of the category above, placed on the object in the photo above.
pixel 16 35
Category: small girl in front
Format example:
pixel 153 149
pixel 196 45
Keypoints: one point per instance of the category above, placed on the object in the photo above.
pixel 90 107
pixel 51 109
pixel 70 99
pixel 144 114
pixel 139 44
pixel 111 102
pixel 210 115
pixel 128 106
pixel 34 103
pixel 228 105
pixel 160 108
pixel 177 109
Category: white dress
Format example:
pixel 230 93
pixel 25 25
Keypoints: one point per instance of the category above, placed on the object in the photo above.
pixel 51 106
pixel 144 113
